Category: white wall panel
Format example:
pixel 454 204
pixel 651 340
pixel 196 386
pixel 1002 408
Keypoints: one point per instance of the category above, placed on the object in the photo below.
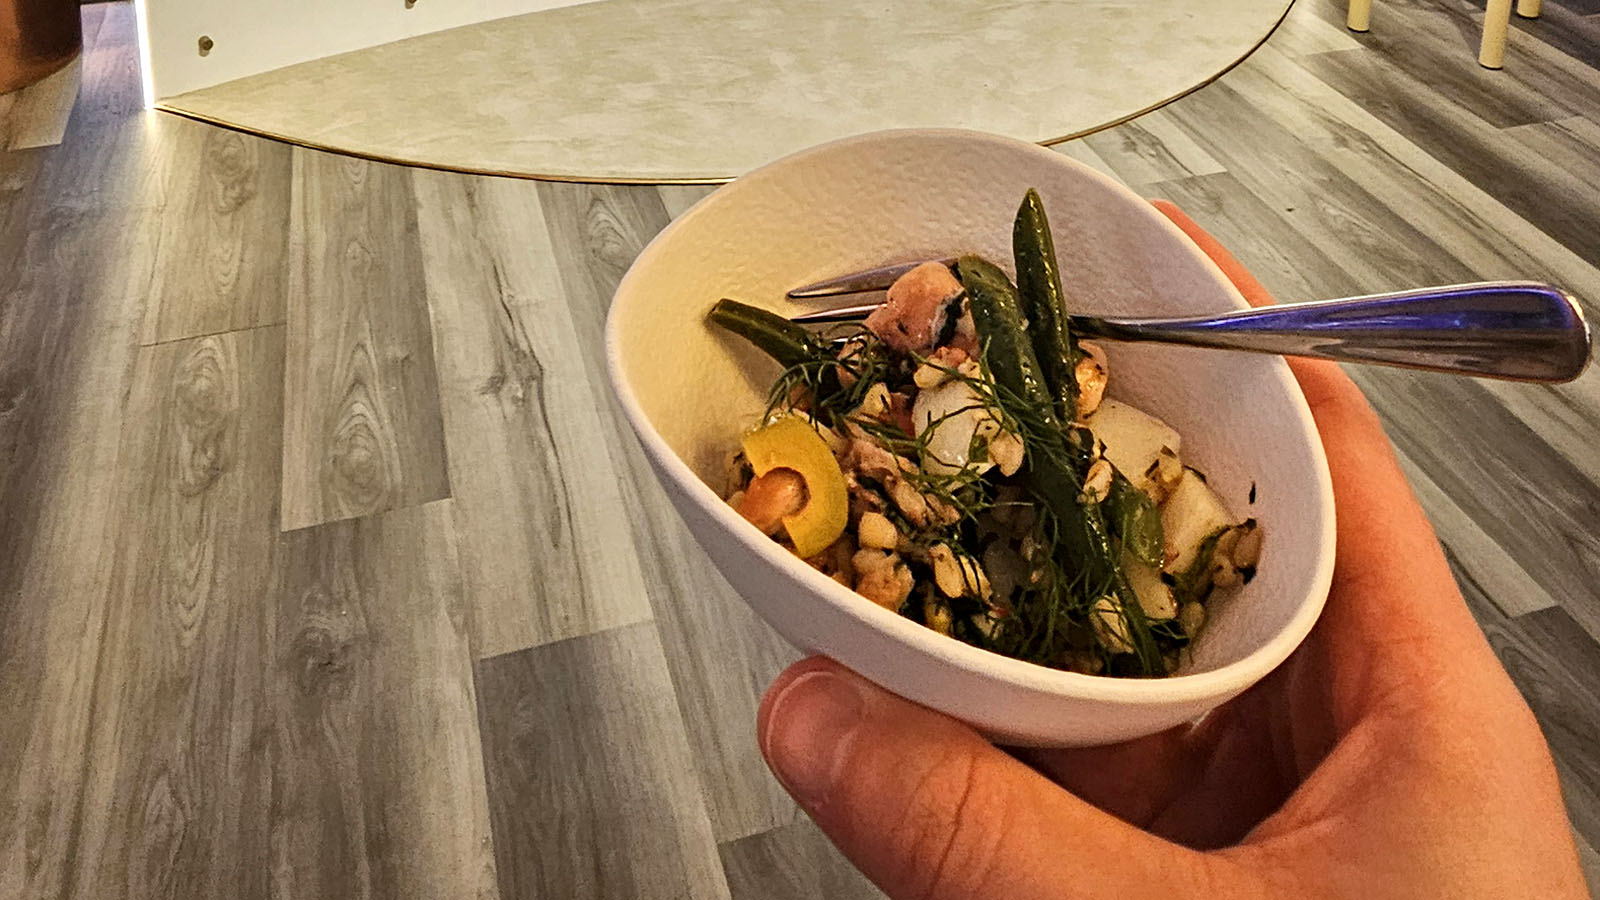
pixel 251 36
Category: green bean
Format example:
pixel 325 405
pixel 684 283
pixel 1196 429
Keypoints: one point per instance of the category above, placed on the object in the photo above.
pixel 1003 330
pixel 790 344
pixel 1053 463
pixel 1044 303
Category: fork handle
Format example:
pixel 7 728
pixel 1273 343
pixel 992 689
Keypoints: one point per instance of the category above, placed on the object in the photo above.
pixel 1520 331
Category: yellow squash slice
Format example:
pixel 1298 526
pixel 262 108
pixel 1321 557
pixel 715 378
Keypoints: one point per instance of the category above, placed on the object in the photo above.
pixel 790 443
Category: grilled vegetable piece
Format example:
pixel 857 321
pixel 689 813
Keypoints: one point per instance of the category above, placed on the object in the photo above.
pixel 1155 597
pixel 1134 441
pixel 1191 517
pixel 791 443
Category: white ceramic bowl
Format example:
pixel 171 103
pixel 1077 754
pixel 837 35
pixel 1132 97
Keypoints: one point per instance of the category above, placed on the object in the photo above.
pixel 690 391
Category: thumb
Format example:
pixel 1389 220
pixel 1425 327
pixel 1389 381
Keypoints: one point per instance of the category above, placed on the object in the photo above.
pixel 928 809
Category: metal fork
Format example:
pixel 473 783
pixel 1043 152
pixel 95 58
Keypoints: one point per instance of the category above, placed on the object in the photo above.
pixel 1513 330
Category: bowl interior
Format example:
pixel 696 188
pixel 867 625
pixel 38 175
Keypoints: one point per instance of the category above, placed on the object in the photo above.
pixel 896 196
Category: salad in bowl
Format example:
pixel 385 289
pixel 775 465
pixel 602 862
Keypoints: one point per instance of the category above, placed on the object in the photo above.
pixel 956 458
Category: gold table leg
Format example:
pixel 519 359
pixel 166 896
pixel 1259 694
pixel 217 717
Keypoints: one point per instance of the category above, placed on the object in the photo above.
pixel 1359 18
pixel 1496 19
pixel 1528 9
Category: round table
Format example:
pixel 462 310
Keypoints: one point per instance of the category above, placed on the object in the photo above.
pixel 684 91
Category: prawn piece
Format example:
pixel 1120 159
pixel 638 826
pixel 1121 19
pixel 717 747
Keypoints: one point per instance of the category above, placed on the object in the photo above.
pixel 915 311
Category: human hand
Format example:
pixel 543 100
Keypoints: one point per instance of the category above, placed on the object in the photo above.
pixel 1389 756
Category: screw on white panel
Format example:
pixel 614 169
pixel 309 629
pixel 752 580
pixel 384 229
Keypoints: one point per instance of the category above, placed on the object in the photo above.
pixel 206 44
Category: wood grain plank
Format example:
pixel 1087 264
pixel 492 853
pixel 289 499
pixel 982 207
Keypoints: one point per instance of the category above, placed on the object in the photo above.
pixel 1572 143
pixel 1344 131
pixel 177 786
pixel 1550 197
pixel 377 770
pixel 362 427
pixel 591 785
pixel 1302 32
pixel 722 657
pixel 1379 249
pixel 795 862
pixel 1589 858
pixel 546 544
pixel 36 116
pixel 720 654
pixel 1580 7
pixel 1572 30
pixel 1544 513
pixel 1437 52
pixel 70 295
pixel 677 198
pixel 1082 152
pixel 1290 265
pixel 1151 148
pixel 225 235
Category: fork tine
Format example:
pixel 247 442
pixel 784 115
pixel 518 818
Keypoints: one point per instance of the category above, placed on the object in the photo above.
pixel 858 282
pixel 839 314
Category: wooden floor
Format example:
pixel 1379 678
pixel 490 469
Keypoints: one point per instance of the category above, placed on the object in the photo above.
pixel 328 568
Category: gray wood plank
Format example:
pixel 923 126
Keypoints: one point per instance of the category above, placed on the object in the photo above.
pixel 362 427
pixel 1572 144
pixel 1289 265
pixel 377 771
pixel 722 657
pixel 224 239
pixel 795 862
pixel 1547 195
pixel 176 786
pixel 1378 248
pixel 546 543
pixel 1589 858
pixel 1342 129
pixel 1302 32
pixel 70 294
pixel 1149 149
pixel 1572 29
pixel 1082 152
pixel 720 654
pixel 1436 46
pixel 677 198
pixel 591 786
pixel 36 116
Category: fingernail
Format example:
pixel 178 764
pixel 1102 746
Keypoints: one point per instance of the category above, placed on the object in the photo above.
pixel 808 733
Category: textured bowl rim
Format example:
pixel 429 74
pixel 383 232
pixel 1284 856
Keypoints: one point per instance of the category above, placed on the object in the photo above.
pixel 1222 681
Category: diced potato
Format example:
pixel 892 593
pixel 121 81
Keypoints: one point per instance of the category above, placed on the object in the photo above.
pixel 1155 598
pixel 1133 440
pixel 1191 514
